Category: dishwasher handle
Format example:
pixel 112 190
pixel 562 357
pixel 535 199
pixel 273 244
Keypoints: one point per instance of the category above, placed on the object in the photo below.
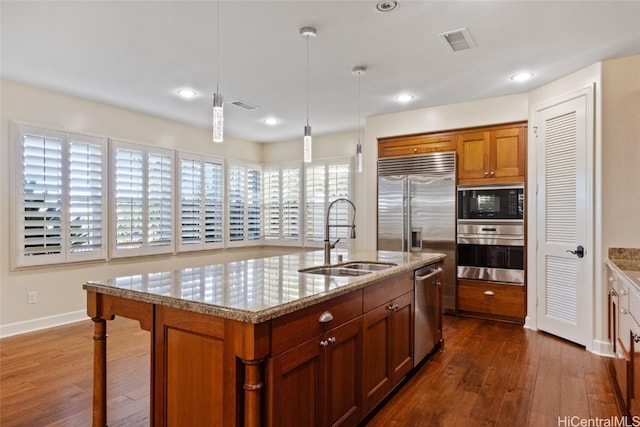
pixel 433 272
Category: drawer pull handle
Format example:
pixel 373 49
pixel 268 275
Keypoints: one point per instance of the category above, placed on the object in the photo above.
pixel 489 293
pixel 326 317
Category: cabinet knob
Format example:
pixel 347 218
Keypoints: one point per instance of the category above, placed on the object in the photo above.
pixel 489 293
pixel 492 173
pixel 393 307
pixel 636 337
pixel 415 150
pixel 324 343
pixel 486 174
pixel 612 279
pixel 623 292
pixel 331 340
pixel 326 317
pixel 623 311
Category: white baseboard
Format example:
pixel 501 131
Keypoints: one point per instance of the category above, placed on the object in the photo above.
pixel 601 348
pixel 42 323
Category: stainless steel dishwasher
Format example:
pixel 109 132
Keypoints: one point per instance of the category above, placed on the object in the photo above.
pixel 427 323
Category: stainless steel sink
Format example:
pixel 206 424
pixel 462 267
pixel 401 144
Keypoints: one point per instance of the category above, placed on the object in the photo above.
pixel 371 266
pixel 336 271
pixel 348 269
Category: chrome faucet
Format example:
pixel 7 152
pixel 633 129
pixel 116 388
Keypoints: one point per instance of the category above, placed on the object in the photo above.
pixel 327 243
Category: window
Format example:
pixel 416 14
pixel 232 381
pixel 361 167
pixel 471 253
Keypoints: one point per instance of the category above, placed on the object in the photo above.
pixel 201 194
pixel 142 204
pixel 281 207
pixel 325 182
pixel 61 182
pixel 245 204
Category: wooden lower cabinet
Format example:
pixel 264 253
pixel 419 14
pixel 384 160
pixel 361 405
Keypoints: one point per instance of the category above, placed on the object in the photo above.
pixel 634 365
pixel 388 348
pixel 318 383
pixel 491 300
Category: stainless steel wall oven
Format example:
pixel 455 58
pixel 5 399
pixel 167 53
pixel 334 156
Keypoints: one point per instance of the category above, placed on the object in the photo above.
pixel 490 233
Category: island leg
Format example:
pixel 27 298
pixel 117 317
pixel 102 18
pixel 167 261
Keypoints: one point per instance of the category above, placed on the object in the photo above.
pixel 99 373
pixel 252 393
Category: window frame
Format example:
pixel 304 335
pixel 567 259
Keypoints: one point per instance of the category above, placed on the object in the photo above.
pixel 203 244
pixel 145 247
pixel 245 242
pixel 280 240
pixel 344 242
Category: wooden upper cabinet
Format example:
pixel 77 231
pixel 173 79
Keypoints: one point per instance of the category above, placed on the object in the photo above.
pixel 492 155
pixel 416 144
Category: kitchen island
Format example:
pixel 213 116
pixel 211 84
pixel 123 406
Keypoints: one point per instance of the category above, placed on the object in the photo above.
pixel 257 342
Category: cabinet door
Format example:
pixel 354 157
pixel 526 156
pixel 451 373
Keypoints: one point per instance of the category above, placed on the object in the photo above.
pixel 402 337
pixel 634 407
pixel 507 153
pixel 295 386
pixel 342 399
pixel 473 155
pixel 377 378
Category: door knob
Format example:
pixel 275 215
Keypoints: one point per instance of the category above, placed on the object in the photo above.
pixel 579 252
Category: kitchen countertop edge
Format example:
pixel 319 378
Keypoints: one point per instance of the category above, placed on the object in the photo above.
pixel 266 314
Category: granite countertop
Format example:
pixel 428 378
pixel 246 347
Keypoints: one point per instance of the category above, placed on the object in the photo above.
pixel 627 261
pixel 255 290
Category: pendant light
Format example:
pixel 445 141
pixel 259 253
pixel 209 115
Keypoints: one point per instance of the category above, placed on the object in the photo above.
pixel 307 33
pixel 359 71
pixel 218 114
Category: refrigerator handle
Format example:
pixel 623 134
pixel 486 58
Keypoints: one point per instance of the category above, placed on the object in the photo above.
pixel 406 213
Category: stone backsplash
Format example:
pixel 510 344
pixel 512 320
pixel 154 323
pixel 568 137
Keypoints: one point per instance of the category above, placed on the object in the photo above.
pixel 625 258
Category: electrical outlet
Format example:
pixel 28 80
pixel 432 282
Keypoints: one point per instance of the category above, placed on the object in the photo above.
pixel 32 297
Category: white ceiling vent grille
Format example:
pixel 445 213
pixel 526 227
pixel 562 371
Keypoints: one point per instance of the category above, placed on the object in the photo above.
pixel 245 105
pixel 458 40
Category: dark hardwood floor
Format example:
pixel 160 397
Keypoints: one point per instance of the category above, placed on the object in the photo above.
pixel 489 373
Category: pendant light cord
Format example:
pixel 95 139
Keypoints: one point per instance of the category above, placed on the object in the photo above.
pixel 307 80
pixel 218 47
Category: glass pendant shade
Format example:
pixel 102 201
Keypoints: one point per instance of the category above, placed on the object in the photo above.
pixel 307 144
pixel 359 157
pixel 218 118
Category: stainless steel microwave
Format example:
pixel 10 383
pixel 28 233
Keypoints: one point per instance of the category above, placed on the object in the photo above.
pixel 491 202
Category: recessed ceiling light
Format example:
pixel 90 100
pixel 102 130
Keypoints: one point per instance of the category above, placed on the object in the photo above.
pixel 387 5
pixel 187 93
pixel 271 121
pixel 520 77
pixel 404 98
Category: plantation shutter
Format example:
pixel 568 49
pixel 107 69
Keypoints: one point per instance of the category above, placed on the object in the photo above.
pixel 290 204
pixel 236 203
pixel 42 178
pixel 61 181
pixel 271 204
pixel 254 204
pixel 201 202
pixel 324 183
pixel 143 208
pixel 245 204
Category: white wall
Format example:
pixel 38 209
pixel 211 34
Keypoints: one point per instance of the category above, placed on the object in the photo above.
pixel 505 109
pixel 60 294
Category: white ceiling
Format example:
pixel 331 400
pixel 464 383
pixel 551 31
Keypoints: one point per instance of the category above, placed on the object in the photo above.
pixel 136 54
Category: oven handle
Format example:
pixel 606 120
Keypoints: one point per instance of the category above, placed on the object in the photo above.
pixel 426 276
pixel 491 240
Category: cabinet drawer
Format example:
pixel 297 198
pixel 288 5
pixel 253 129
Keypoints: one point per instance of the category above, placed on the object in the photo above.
pixel 388 289
pixel 295 328
pixel 493 300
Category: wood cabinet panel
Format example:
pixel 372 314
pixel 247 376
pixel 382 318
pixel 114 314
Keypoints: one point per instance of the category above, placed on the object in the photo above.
pixel 492 300
pixel 492 155
pixel 297 327
pixel 294 387
pixel 187 394
pixel 416 144
pixel 386 290
pixel 387 347
pixel 402 336
pixel 634 364
pixel 318 383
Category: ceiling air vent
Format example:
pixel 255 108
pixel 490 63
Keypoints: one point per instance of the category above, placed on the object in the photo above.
pixel 458 40
pixel 245 105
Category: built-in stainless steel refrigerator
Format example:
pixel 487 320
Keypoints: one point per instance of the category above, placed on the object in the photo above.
pixel 417 210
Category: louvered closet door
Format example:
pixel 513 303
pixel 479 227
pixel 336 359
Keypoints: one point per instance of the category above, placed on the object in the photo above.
pixel 564 220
